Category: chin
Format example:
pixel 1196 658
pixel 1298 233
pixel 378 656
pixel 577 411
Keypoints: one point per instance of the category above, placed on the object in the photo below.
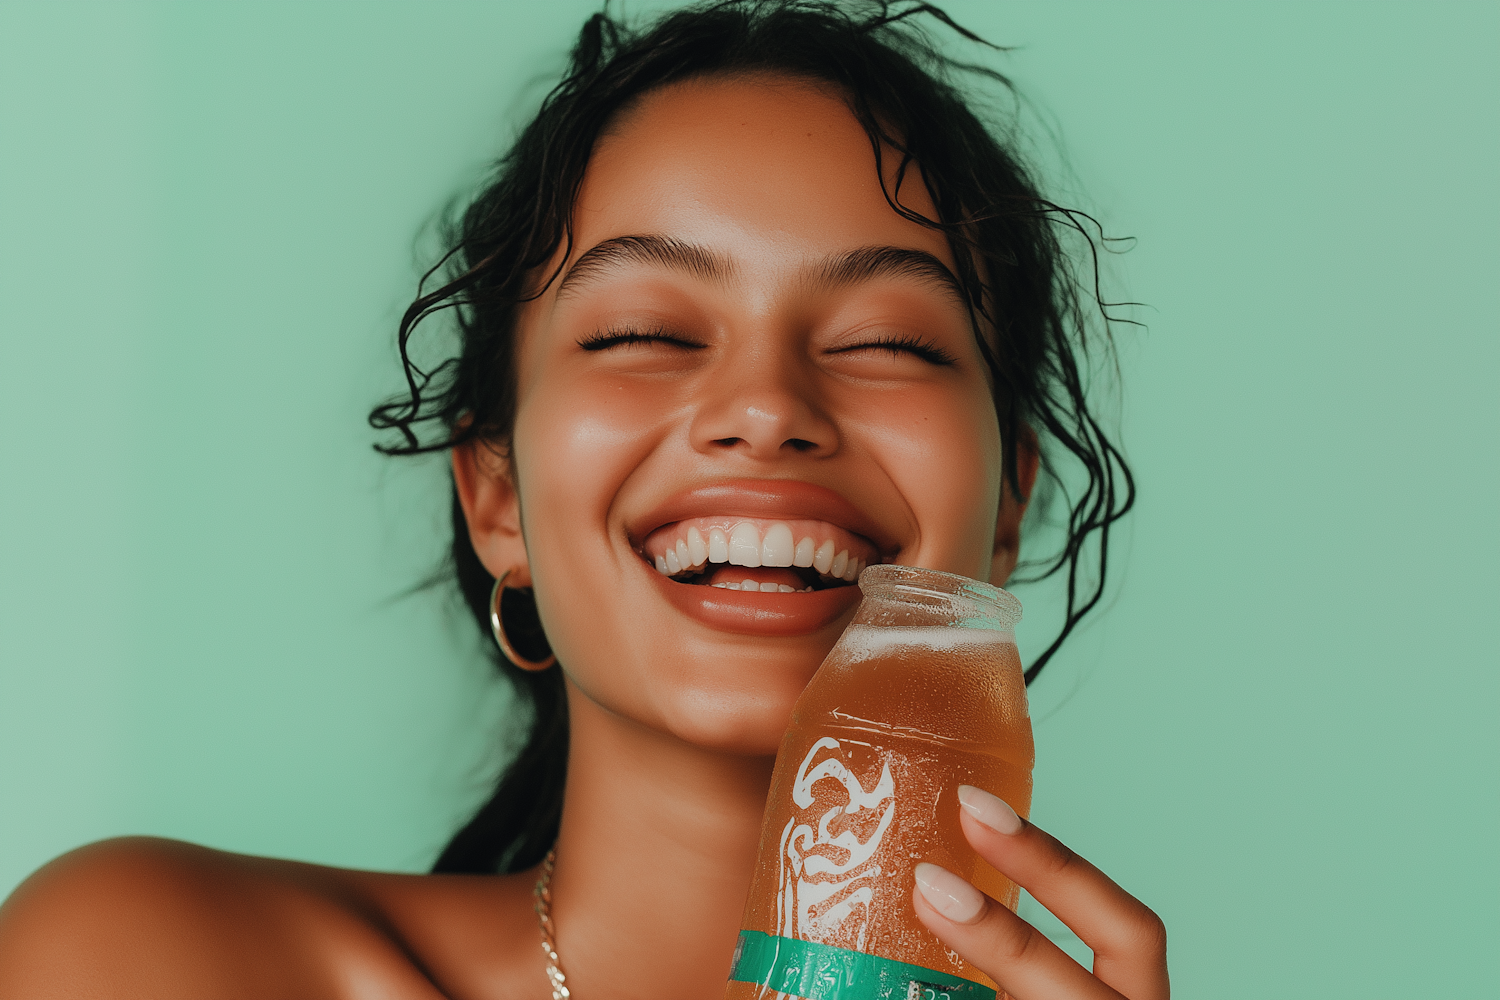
pixel 748 721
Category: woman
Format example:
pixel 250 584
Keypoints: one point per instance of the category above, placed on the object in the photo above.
pixel 756 263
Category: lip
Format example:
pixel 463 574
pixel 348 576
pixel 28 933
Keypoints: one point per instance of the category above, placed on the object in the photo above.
pixel 789 499
pixel 750 613
pixel 746 612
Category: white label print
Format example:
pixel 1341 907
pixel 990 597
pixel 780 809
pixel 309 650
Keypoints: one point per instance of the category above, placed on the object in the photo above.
pixel 827 880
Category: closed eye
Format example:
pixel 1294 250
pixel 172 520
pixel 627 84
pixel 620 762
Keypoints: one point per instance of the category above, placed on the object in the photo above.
pixel 603 340
pixel 903 343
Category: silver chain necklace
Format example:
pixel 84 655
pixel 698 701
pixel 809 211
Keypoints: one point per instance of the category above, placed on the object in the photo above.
pixel 543 907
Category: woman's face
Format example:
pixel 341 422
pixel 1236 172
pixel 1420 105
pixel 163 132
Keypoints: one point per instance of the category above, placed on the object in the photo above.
pixel 749 358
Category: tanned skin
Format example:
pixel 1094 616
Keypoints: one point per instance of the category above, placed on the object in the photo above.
pixel 755 370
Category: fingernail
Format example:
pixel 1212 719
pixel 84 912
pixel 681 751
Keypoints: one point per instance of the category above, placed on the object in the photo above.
pixel 991 810
pixel 950 895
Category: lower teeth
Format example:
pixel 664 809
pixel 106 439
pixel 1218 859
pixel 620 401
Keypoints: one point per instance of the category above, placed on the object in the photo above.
pixel 764 588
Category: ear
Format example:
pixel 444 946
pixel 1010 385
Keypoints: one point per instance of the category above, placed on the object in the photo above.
pixel 492 507
pixel 1013 508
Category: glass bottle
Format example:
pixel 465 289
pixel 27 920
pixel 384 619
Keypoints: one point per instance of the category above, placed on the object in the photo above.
pixel 922 693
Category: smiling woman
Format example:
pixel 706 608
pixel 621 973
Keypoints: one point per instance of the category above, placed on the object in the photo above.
pixel 754 303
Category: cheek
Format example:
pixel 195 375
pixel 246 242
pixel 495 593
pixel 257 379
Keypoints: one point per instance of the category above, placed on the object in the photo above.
pixel 579 446
pixel 570 455
pixel 943 451
pixel 575 448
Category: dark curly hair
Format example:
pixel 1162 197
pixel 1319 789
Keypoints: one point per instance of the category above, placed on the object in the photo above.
pixel 1010 244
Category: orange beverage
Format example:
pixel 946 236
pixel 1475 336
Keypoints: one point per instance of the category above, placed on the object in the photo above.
pixel 922 693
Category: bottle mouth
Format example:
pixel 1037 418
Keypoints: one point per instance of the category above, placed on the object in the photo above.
pixel 976 604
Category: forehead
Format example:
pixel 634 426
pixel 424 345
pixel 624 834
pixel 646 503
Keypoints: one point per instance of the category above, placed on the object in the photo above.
pixel 762 169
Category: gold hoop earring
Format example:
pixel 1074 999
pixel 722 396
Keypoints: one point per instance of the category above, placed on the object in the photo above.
pixel 498 627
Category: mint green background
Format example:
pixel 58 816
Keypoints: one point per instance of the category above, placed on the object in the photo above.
pixel 1282 734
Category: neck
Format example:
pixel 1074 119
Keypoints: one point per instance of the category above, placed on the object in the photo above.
pixel 654 858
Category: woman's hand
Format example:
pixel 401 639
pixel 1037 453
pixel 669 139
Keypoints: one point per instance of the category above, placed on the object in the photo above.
pixel 1128 939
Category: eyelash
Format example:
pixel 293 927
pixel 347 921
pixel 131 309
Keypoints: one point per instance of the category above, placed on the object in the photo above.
pixel 907 343
pixel 601 340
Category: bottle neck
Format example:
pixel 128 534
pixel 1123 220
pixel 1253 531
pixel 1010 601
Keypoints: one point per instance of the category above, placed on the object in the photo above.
pixel 912 597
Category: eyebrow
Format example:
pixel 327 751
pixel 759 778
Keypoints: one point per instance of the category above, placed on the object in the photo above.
pixel 840 270
pixel 868 263
pixel 662 251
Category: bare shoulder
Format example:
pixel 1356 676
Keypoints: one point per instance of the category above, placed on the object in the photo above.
pixel 163 919
pixel 146 917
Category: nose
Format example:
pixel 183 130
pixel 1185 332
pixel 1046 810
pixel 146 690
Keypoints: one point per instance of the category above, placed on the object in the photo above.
pixel 763 408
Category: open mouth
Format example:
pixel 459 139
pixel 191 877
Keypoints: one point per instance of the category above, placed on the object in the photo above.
pixel 758 554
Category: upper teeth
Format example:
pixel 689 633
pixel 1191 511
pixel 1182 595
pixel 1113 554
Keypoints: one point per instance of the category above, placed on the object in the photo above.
pixel 745 545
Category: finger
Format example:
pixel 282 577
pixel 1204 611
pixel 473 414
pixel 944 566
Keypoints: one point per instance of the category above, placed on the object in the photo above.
pixel 1128 939
pixel 998 943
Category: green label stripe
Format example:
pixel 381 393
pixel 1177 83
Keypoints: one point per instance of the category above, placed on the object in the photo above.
pixel 820 972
